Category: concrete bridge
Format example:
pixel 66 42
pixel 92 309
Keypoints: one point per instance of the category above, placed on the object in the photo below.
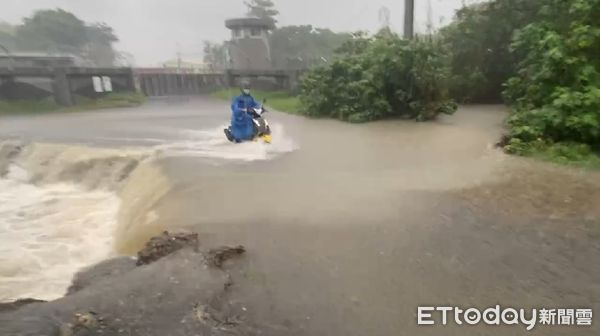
pixel 69 84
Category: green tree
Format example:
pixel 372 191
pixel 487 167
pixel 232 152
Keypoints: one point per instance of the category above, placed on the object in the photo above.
pixel 264 9
pixel 357 44
pixel 58 31
pixel 303 46
pixel 478 42
pixel 99 45
pixel 556 87
pixel 52 31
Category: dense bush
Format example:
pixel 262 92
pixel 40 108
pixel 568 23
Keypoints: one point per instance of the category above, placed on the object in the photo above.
pixel 379 77
pixel 556 89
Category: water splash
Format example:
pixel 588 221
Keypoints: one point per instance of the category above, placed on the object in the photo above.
pixel 50 232
pixel 212 144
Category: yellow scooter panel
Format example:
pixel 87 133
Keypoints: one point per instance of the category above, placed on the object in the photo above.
pixel 267 138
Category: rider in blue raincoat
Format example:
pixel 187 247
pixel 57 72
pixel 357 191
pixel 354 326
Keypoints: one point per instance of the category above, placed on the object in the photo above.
pixel 242 125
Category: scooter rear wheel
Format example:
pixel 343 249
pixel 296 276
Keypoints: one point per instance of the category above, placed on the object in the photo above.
pixel 229 135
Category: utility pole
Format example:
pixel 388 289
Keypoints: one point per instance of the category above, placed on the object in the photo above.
pixel 409 18
pixel 429 18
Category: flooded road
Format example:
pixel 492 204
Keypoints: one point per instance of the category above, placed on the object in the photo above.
pixel 349 228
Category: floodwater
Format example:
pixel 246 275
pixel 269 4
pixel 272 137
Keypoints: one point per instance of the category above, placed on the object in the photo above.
pixel 349 228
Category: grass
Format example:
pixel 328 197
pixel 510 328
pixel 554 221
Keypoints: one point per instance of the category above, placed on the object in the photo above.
pixel 569 154
pixel 279 100
pixel 113 100
pixel 552 154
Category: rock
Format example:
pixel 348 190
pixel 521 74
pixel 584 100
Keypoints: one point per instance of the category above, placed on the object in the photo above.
pixel 106 269
pixel 89 320
pixel 504 140
pixel 216 257
pixel 214 318
pixel 85 324
pixel 8 151
pixel 10 306
pixel 166 244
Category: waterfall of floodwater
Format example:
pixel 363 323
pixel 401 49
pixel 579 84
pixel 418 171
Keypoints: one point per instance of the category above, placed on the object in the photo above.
pixel 65 207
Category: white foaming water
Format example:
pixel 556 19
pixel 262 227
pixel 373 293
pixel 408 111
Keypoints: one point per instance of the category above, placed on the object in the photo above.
pixel 51 230
pixel 214 145
pixel 49 233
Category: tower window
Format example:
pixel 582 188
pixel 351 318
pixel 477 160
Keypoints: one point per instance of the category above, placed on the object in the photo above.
pixel 255 32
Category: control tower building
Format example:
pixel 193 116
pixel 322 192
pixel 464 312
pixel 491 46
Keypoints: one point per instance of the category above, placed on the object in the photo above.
pixel 249 45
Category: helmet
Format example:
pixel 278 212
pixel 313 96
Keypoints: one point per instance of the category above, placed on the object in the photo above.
pixel 245 87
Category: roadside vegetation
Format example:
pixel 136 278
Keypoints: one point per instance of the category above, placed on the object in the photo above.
pixel 380 77
pixel 114 100
pixel 540 58
pixel 555 92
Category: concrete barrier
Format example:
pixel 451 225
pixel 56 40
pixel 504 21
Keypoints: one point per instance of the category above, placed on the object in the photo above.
pixel 64 84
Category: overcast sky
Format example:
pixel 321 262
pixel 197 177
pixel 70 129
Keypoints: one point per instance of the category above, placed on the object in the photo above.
pixel 153 30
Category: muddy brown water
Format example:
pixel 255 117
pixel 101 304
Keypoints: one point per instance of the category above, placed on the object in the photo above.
pixel 359 225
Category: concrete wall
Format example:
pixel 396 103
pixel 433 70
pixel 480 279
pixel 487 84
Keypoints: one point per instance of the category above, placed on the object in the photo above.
pixel 83 84
pixel 63 84
pixel 161 84
pixel 24 88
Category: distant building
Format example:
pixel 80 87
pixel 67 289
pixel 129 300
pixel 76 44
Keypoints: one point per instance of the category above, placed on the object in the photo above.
pixel 28 60
pixel 249 45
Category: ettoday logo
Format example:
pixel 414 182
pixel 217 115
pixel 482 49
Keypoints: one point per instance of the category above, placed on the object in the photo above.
pixel 509 316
